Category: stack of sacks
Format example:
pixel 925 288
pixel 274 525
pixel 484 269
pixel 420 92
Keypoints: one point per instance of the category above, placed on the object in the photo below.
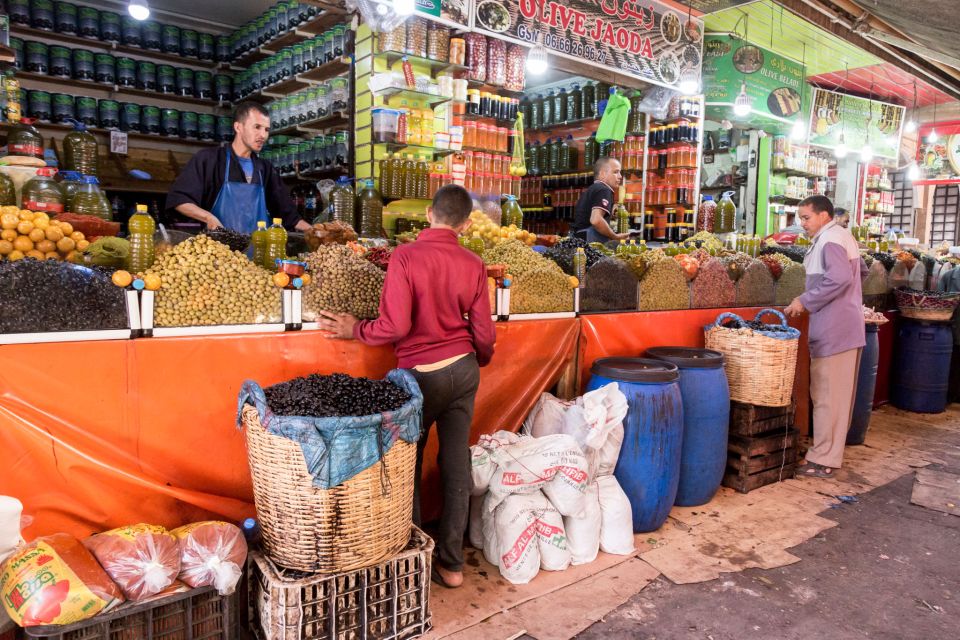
pixel 595 421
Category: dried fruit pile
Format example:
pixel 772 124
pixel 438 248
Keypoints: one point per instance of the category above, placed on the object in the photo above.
pixel 712 288
pixel 664 286
pixel 335 395
pixel 343 282
pixel 755 287
pixel 610 286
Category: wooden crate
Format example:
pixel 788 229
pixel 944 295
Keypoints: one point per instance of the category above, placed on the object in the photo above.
pixel 750 419
pixel 756 461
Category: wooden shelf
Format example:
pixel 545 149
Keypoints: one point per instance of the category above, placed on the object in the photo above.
pixel 336 119
pixel 64 128
pixel 7 55
pixel 304 31
pixel 117 90
pixel 303 80
pixel 798 173
pixel 112 47
pixel 785 200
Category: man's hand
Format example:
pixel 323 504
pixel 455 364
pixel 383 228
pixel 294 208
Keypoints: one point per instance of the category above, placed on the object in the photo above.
pixel 337 325
pixel 213 223
pixel 623 236
pixel 795 309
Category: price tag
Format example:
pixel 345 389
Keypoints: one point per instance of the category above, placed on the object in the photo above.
pixel 118 142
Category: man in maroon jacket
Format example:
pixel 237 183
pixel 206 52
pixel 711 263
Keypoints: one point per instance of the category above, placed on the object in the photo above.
pixel 435 310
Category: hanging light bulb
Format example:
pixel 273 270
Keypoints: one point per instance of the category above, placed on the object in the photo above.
pixel 689 84
pixel 910 126
pixel 913 173
pixel 866 154
pixel 537 60
pixel 841 149
pixel 798 131
pixel 404 7
pixel 741 106
pixel 932 137
pixel 138 9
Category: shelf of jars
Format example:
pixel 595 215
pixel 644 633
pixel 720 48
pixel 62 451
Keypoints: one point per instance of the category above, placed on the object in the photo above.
pixel 302 80
pixel 435 66
pixel 7 55
pixel 316 125
pixel 431 99
pixel 52 127
pixel 98 44
pixel 304 31
pixel 394 147
pixel 112 90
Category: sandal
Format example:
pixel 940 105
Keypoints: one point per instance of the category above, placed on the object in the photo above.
pixel 813 470
pixel 436 577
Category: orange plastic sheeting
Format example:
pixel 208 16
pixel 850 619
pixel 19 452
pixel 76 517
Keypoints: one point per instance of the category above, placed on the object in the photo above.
pixel 96 435
pixel 630 334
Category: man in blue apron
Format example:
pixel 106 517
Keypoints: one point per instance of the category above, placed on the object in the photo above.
pixel 592 213
pixel 231 186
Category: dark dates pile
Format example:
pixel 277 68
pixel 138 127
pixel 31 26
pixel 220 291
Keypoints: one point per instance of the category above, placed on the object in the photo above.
pixel 335 395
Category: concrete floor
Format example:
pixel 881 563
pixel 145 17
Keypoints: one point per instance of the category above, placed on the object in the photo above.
pixel 889 570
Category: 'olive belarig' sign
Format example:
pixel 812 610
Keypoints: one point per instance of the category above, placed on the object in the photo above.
pixel 646 40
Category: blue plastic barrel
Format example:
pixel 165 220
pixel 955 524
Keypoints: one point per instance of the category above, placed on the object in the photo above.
pixel 649 465
pixel 706 421
pixel 921 366
pixel 866 385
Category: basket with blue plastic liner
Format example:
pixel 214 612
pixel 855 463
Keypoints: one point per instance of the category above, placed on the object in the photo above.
pixel 760 358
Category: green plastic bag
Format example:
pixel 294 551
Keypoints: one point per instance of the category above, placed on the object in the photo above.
pixel 613 124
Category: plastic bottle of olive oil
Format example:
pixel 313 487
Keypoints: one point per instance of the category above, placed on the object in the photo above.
pixel 259 241
pixel 276 244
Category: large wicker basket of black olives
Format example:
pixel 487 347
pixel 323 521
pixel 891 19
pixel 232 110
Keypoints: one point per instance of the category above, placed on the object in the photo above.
pixel 332 460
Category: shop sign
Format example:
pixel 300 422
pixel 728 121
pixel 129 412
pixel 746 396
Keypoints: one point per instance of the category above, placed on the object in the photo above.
pixel 939 161
pixel 772 83
pixel 646 40
pixel 858 121
pixel 454 13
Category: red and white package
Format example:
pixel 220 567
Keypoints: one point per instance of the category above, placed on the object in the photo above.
pixel 211 554
pixel 143 559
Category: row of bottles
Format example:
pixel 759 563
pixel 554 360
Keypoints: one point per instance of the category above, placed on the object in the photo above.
pixel 750 245
pixel 269 245
pixel 717 217
pixel 556 155
pixel 362 210
pixel 558 107
pixel 404 177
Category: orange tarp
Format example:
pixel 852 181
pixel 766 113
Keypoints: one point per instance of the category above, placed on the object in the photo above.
pixel 95 435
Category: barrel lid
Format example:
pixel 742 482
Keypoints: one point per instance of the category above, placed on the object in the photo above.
pixel 687 357
pixel 635 369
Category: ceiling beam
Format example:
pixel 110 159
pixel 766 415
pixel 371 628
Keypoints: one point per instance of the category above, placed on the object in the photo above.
pixel 909 45
pixel 827 20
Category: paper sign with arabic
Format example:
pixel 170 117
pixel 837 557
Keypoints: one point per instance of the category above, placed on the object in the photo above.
pixel 646 39
pixel 857 121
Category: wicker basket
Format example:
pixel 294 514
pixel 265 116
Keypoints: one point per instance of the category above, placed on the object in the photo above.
pixel 355 524
pixel 387 601
pixel 919 305
pixel 760 365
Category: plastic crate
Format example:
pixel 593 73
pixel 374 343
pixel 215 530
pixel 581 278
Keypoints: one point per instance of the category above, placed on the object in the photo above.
pixel 387 601
pixel 196 614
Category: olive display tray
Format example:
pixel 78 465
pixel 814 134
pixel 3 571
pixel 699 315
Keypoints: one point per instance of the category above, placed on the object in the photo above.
pixel 126 333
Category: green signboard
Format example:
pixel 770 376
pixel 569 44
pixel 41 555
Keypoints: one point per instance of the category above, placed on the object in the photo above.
pixel 770 83
pixel 857 121
pixel 454 13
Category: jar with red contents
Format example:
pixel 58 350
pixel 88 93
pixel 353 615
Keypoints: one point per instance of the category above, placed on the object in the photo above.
pixel 476 56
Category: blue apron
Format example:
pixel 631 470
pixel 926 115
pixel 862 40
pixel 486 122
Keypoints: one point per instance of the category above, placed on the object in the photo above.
pixel 240 206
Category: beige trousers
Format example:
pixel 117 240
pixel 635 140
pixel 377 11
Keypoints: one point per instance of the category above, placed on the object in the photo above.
pixel 833 386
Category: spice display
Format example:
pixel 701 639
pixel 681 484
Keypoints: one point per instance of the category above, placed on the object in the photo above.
pixel 664 287
pixel 736 265
pixel 562 253
pixel 203 282
pixel 45 295
pixel 542 289
pixel 343 282
pixel 234 239
pixel 712 288
pixel 689 264
pixel 755 287
pixel 776 263
pixel 379 256
pixel 792 283
pixel 639 263
pixel 610 286
pixel 395 40
pixel 113 253
pixel 518 257
pixel 876 282
pixel 516 68
pixel 318 396
pixel 705 240
pixel 794 252
pixel 476 58
pixel 496 62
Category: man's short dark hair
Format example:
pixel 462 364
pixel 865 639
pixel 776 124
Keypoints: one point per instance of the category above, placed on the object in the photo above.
pixel 246 107
pixel 601 165
pixel 452 205
pixel 819 204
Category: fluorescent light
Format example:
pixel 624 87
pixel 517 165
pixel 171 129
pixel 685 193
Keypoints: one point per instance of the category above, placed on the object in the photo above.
pixel 537 60
pixel 138 9
pixel 799 130
pixel 932 136
pixel 689 85
pixel 404 7
pixel 913 173
pixel 910 126
pixel 866 154
pixel 840 150
pixel 741 106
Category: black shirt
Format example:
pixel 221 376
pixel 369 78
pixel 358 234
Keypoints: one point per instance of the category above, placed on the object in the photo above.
pixel 598 196
pixel 201 180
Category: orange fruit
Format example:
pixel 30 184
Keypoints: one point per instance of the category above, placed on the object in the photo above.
pixel 151 282
pixel 36 255
pixel 15 210
pixel 66 245
pixel 15 255
pixel 40 215
pixel 281 279
pixel 122 278
pixel 305 278
pixel 66 228
pixel 82 244
pixel 53 234
pixel 9 220
pixel 26 214
pixel 73 257
pixel 5 247
pixel 23 244
pixel 24 227
pixel 9 235
pixel 77 236
pixel 41 223
pixel 46 246
pixel 51 255
pixel 36 235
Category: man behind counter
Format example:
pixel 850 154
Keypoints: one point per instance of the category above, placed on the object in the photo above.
pixel 231 186
pixel 592 213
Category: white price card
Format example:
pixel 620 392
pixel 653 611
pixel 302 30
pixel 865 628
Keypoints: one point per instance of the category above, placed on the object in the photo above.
pixel 118 142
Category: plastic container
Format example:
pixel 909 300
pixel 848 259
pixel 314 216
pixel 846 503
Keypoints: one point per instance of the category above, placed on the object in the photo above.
pixel 648 469
pixel 258 240
pixel 369 212
pixel 42 193
pixel 146 78
pixel 342 202
pixel 130 117
pixel 866 386
pixel 105 68
pixel 37 57
pixel 140 230
pixel 8 191
pixel 130 34
pixel 385 125
pixel 706 420
pixel 65 19
pixel 169 122
pixel 80 151
pixel 25 140
pixel 61 62
pixel 87 110
pixel 88 22
pixel 71 181
pixel 39 106
pixel 511 212
pixel 921 366
pixel 276 247
pixel 726 214
pixel 88 200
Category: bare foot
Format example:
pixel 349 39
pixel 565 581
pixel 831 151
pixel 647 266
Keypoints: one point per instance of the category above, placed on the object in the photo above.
pixel 450 579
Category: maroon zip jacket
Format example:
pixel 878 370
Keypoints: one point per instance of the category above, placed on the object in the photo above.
pixel 435 303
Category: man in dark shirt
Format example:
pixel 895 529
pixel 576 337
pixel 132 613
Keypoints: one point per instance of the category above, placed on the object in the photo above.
pixel 593 210
pixel 231 186
pixel 435 310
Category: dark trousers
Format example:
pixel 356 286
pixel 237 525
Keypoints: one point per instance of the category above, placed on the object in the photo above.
pixel 448 396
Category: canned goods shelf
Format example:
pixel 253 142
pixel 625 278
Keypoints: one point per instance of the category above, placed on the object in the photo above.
pixel 335 119
pixel 116 90
pixel 302 80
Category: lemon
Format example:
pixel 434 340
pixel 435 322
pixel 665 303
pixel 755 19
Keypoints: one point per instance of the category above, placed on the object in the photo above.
pixel 122 278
